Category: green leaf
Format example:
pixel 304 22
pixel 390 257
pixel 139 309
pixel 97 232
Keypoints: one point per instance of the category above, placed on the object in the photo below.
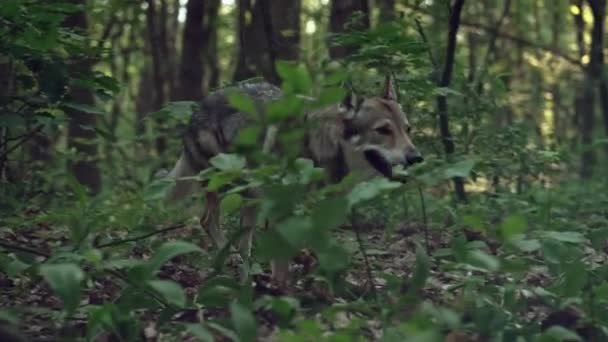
pixel 166 252
pixel 575 279
pixel 598 237
pixel 231 203
pixel 601 291
pixel 158 189
pixel 366 191
pixel 200 332
pixel 243 322
pixel 178 110
pixel 248 136
pixel 242 102
pixel 330 213
pixel 11 120
pixel 228 162
pixel 170 290
pixel 483 260
pixel 81 107
pixel 296 230
pixel 513 225
pixel 65 280
pixel 421 269
pixel 460 169
pixel 474 221
pixel 559 333
pixel 331 95
pixel 218 292
pixel 296 78
pixel 334 258
pixel 572 237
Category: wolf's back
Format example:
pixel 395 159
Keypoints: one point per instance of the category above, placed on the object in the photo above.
pixel 212 129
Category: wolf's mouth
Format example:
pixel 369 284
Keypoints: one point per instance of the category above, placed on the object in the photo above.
pixel 375 159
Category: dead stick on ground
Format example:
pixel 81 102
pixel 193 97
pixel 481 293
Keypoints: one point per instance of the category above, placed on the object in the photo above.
pixel 141 237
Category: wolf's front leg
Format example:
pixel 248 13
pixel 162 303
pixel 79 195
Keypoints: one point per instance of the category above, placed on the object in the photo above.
pixel 248 220
pixel 210 220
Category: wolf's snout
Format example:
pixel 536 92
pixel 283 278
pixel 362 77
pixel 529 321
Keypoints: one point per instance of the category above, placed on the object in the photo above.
pixel 413 157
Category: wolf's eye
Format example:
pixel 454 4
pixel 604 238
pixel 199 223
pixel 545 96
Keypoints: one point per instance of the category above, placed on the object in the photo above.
pixel 384 130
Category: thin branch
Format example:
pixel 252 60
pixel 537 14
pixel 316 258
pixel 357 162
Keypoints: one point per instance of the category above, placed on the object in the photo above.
pixel 368 268
pixel 141 237
pixel 427 44
pixel 424 220
pixel 504 35
pixel 492 43
pixel 17 248
pixel 25 138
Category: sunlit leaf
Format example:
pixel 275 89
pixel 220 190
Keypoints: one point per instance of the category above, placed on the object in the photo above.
pixel 170 290
pixel 65 280
pixel 243 322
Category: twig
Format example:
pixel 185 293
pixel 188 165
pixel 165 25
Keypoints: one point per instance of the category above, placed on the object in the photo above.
pixel 25 138
pixel 426 42
pixel 368 269
pixel 492 42
pixel 504 35
pixel 17 248
pixel 424 220
pixel 117 274
pixel 141 237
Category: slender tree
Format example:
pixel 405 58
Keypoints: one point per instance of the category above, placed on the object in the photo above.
pixel 596 62
pixel 158 74
pixel 190 80
pixel 593 76
pixel 341 15
pixel 268 31
pixel 81 133
pixel 387 10
pixel 210 55
pixel 444 82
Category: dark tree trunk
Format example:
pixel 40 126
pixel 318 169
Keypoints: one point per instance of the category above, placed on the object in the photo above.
pixel 442 101
pixel 156 49
pixel 81 134
pixel 210 57
pixel 245 65
pixel 594 75
pixel 387 10
pixel 596 63
pixel 341 14
pixel 193 44
pixel 285 37
pixel 268 31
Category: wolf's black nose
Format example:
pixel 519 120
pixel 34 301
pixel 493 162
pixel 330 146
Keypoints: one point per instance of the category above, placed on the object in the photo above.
pixel 414 157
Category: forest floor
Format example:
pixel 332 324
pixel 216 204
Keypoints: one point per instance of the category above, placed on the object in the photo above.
pixel 393 254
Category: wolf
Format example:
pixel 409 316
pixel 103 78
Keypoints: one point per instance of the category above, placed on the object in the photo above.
pixel 369 135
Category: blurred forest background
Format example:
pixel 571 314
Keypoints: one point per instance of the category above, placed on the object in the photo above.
pixel 500 234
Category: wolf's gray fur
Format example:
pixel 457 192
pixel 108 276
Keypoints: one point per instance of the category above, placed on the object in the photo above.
pixel 368 136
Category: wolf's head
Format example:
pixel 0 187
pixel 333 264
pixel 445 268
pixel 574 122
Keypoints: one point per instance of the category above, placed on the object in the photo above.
pixel 377 131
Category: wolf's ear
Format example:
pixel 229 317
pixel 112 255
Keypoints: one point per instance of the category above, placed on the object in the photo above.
pixel 389 91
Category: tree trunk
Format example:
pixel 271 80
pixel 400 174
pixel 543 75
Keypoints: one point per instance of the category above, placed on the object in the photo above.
pixel 596 63
pixel 594 75
pixel 268 31
pixel 210 54
pixel 341 14
pixel 442 101
pixel 81 134
pixel 193 44
pixel 156 49
pixel 387 10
